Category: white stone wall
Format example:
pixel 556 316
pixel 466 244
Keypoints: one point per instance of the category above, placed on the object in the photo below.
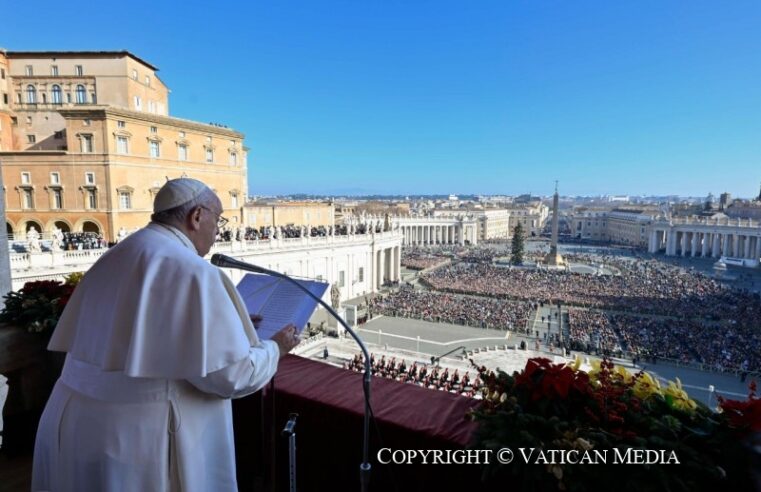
pixel 366 260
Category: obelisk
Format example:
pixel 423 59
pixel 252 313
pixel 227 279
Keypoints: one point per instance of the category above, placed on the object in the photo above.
pixel 553 258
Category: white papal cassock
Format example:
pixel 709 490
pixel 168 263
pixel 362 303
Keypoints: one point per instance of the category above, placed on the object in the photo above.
pixel 158 340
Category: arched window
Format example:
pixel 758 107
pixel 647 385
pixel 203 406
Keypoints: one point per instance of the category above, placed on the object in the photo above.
pixel 81 94
pixel 57 94
pixel 31 94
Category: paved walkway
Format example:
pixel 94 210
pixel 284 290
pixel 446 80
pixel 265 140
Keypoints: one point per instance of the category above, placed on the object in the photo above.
pixel 399 337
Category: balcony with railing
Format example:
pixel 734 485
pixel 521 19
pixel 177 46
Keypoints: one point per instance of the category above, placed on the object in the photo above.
pixel 52 106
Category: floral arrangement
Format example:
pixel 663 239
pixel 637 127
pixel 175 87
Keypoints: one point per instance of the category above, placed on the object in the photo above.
pixel 608 429
pixel 38 305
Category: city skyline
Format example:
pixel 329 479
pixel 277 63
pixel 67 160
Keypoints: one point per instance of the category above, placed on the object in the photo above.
pixel 429 98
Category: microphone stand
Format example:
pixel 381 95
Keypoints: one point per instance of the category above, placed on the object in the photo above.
pixel 225 261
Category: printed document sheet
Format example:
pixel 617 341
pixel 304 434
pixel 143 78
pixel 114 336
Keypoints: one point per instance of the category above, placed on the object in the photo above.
pixel 279 302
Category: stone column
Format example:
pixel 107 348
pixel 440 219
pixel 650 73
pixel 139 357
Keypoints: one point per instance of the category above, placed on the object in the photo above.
pixel 387 264
pixel 684 244
pixel 651 242
pixel 725 247
pixel 694 244
pixel 746 243
pixel 716 249
pixel 397 263
pixel 704 249
pixel 736 245
pixel 669 243
pixel 758 248
pixel 381 267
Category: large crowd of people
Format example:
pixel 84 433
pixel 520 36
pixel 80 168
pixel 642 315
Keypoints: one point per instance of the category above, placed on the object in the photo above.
pixel 645 309
pixel 419 259
pixel 717 345
pixel 427 376
pixel 646 287
pixel 451 308
pixel 290 232
pixel 83 240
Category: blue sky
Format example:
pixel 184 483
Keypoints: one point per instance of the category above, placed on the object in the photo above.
pixel 420 97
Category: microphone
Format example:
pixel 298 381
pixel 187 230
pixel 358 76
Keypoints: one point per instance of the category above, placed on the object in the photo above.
pixel 290 425
pixel 224 261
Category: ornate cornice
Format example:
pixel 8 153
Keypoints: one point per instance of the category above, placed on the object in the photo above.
pixel 112 111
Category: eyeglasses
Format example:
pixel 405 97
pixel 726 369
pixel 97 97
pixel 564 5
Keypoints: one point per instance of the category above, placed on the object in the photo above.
pixel 221 221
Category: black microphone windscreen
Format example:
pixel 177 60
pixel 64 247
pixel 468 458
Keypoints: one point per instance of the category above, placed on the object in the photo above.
pixel 218 259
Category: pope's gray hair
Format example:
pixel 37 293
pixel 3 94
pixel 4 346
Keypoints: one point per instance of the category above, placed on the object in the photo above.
pixel 178 214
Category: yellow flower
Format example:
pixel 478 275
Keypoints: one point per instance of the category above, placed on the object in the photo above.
pixel 595 370
pixel 646 386
pixel 677 397
pixel 74 278
pixel 625 375
pixel 576 364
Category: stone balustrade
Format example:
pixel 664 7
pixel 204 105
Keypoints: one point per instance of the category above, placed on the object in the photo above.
pixel 360 263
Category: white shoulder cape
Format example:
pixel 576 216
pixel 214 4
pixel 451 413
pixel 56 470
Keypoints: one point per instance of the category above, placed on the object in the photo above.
pixel 151 307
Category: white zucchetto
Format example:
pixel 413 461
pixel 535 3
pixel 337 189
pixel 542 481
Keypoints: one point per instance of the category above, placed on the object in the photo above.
pixel 176 192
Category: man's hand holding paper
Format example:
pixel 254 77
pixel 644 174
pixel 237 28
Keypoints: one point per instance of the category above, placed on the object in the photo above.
pixel 286 339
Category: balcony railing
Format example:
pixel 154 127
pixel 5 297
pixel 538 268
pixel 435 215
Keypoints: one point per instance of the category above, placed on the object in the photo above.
pixel 52 106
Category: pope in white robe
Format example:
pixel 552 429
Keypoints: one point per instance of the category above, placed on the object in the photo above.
pixel 158 341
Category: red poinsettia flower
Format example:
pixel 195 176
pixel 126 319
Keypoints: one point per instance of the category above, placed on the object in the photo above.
pixel 745 415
